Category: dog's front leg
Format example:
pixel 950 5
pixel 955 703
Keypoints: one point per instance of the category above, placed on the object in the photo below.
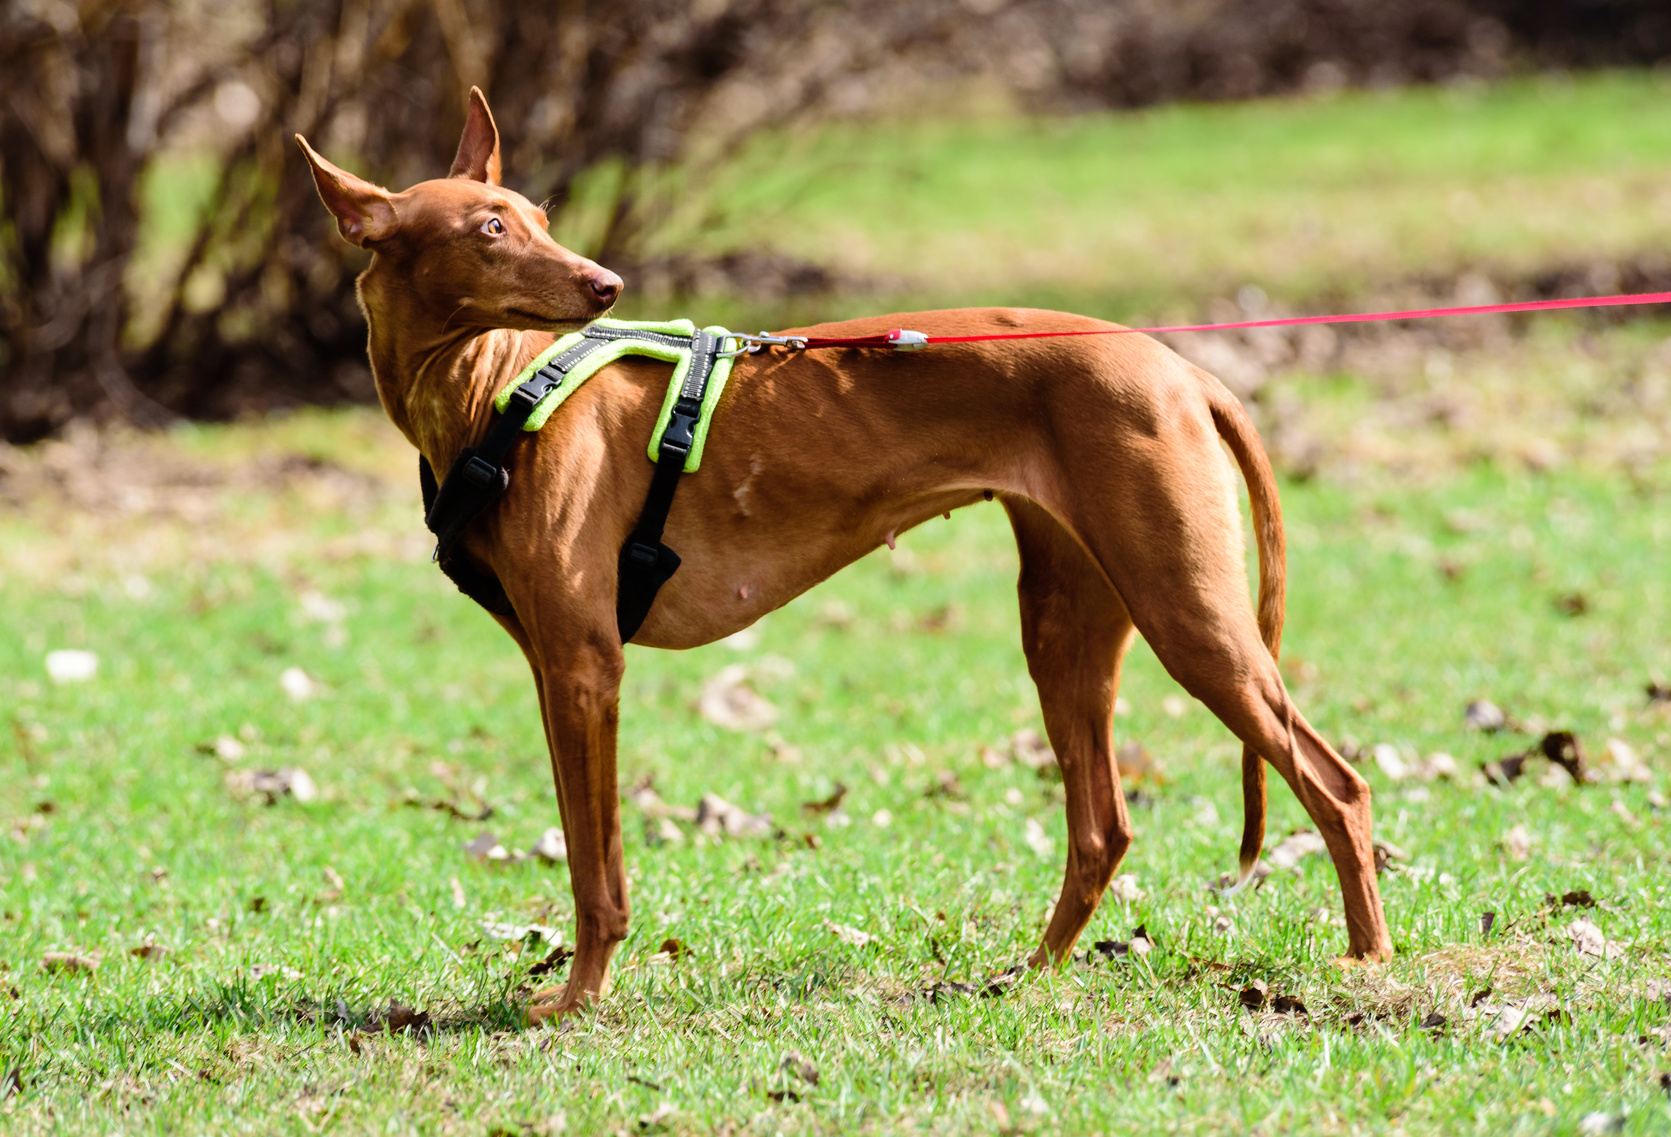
pixel 580 702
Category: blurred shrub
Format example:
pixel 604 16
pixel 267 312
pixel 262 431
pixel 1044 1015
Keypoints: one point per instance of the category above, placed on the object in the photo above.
pixel 234 294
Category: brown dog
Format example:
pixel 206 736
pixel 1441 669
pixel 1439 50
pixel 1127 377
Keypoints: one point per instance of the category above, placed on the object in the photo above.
pixel 1103 449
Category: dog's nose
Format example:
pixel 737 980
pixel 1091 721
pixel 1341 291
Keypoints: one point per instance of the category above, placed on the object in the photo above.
pixel 606 286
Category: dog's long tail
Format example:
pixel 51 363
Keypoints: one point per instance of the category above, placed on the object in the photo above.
pixel 1238 433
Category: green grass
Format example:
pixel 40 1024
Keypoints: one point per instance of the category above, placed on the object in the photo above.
pixel 1157 211
pixel 194 605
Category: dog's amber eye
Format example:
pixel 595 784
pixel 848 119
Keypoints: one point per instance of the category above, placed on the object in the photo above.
pixel 493 227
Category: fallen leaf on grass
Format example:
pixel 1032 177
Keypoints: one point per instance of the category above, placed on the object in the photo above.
pixel 642 794
pixel 501 930
pixel 1487 921
pixel 798 1065
pixel 226 748
pixel 1576 898
pixel 1134 761
pixel 662 831
pixel 552 962
pixel 71 962
pixel 1029 748
pixel 1598 1124
pixel 1037 839
pixel 1519 1015
pixel 1517 843
pixel 1385 854
pixel 716 816
pixel 1622 762
pixel 1125 887
pixel 729 702
pixel 671 950
pixel 1434 1024
pixel 149 951
pixel 1254 995
pixel 1289 1005
pixel 828 804
pixel 486 848
pixel 945 785
pixel 1505 770
pixel 399 1019
pixel 1561 747
pixel 1572 604
pixel 271 785
pixel 1589 939
pixel 1294 848
pixel 850 935
pixel 552 847
pixel 1123 951
pixel 1483 714
pixel 1658 692
pixel 263 970
pixel 946 618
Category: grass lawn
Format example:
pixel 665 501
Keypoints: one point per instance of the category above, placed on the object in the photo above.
pixel 288 926
pixel 1488 517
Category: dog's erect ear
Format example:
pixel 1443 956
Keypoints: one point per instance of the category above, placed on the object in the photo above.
pixel 363 211
pixel 478 149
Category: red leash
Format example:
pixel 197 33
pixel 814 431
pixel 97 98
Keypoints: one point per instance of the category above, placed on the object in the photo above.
pixel 907 340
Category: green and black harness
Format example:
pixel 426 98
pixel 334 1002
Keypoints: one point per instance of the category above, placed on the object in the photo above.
pixel 701 366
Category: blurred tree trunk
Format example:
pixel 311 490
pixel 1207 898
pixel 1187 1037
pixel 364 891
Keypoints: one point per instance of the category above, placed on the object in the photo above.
pixel 67 177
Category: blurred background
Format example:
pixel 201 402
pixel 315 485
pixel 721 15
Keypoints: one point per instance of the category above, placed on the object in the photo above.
pixel 162 254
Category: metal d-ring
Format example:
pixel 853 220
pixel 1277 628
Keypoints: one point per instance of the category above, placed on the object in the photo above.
pixel 749 345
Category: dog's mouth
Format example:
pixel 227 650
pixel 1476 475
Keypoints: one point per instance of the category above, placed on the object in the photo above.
pixel 551 323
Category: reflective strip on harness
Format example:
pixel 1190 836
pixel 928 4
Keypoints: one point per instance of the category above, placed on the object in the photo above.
pixel 670 342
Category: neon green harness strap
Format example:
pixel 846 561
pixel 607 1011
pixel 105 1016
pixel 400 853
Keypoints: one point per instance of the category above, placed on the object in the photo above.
pixel 669 341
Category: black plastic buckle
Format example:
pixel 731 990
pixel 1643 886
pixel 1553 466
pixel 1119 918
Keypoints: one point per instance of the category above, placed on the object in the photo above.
pixel 526 396
pixel 642 555
pixel 483 473
pixel 680 434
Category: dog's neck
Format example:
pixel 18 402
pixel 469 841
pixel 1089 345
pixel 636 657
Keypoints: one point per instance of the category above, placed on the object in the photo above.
pixel 437 383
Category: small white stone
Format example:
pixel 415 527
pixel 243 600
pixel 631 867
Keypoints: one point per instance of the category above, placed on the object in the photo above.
pixel 71 666
pixel 298 684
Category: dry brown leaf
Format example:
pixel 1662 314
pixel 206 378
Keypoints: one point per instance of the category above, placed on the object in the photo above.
pixel 1517 843
pixel 1134 761
pixel 728 701
pixel 716 816
pixel 71 962
pixel 798 1065
pixel 1294 848
pixel 1483 714
pixel 850 935
pixel 486 848
pixel 826 805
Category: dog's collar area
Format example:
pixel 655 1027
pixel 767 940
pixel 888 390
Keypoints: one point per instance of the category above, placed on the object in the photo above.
pixel 480 474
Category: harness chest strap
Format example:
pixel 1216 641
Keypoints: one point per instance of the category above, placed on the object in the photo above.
pixel 479 475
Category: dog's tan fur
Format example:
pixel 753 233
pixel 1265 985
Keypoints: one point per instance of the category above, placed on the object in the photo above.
pixel 1105 451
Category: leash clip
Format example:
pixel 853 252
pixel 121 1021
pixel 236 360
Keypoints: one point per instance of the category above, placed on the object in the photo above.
pixel 751 345
pixel 904 339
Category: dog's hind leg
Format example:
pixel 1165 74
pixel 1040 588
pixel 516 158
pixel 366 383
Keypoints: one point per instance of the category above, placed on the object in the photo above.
pixel 1175 557
pixel 1075 631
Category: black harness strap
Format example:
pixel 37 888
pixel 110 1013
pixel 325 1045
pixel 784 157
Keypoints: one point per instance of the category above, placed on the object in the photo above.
pixel 479 477
pixel 645 563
